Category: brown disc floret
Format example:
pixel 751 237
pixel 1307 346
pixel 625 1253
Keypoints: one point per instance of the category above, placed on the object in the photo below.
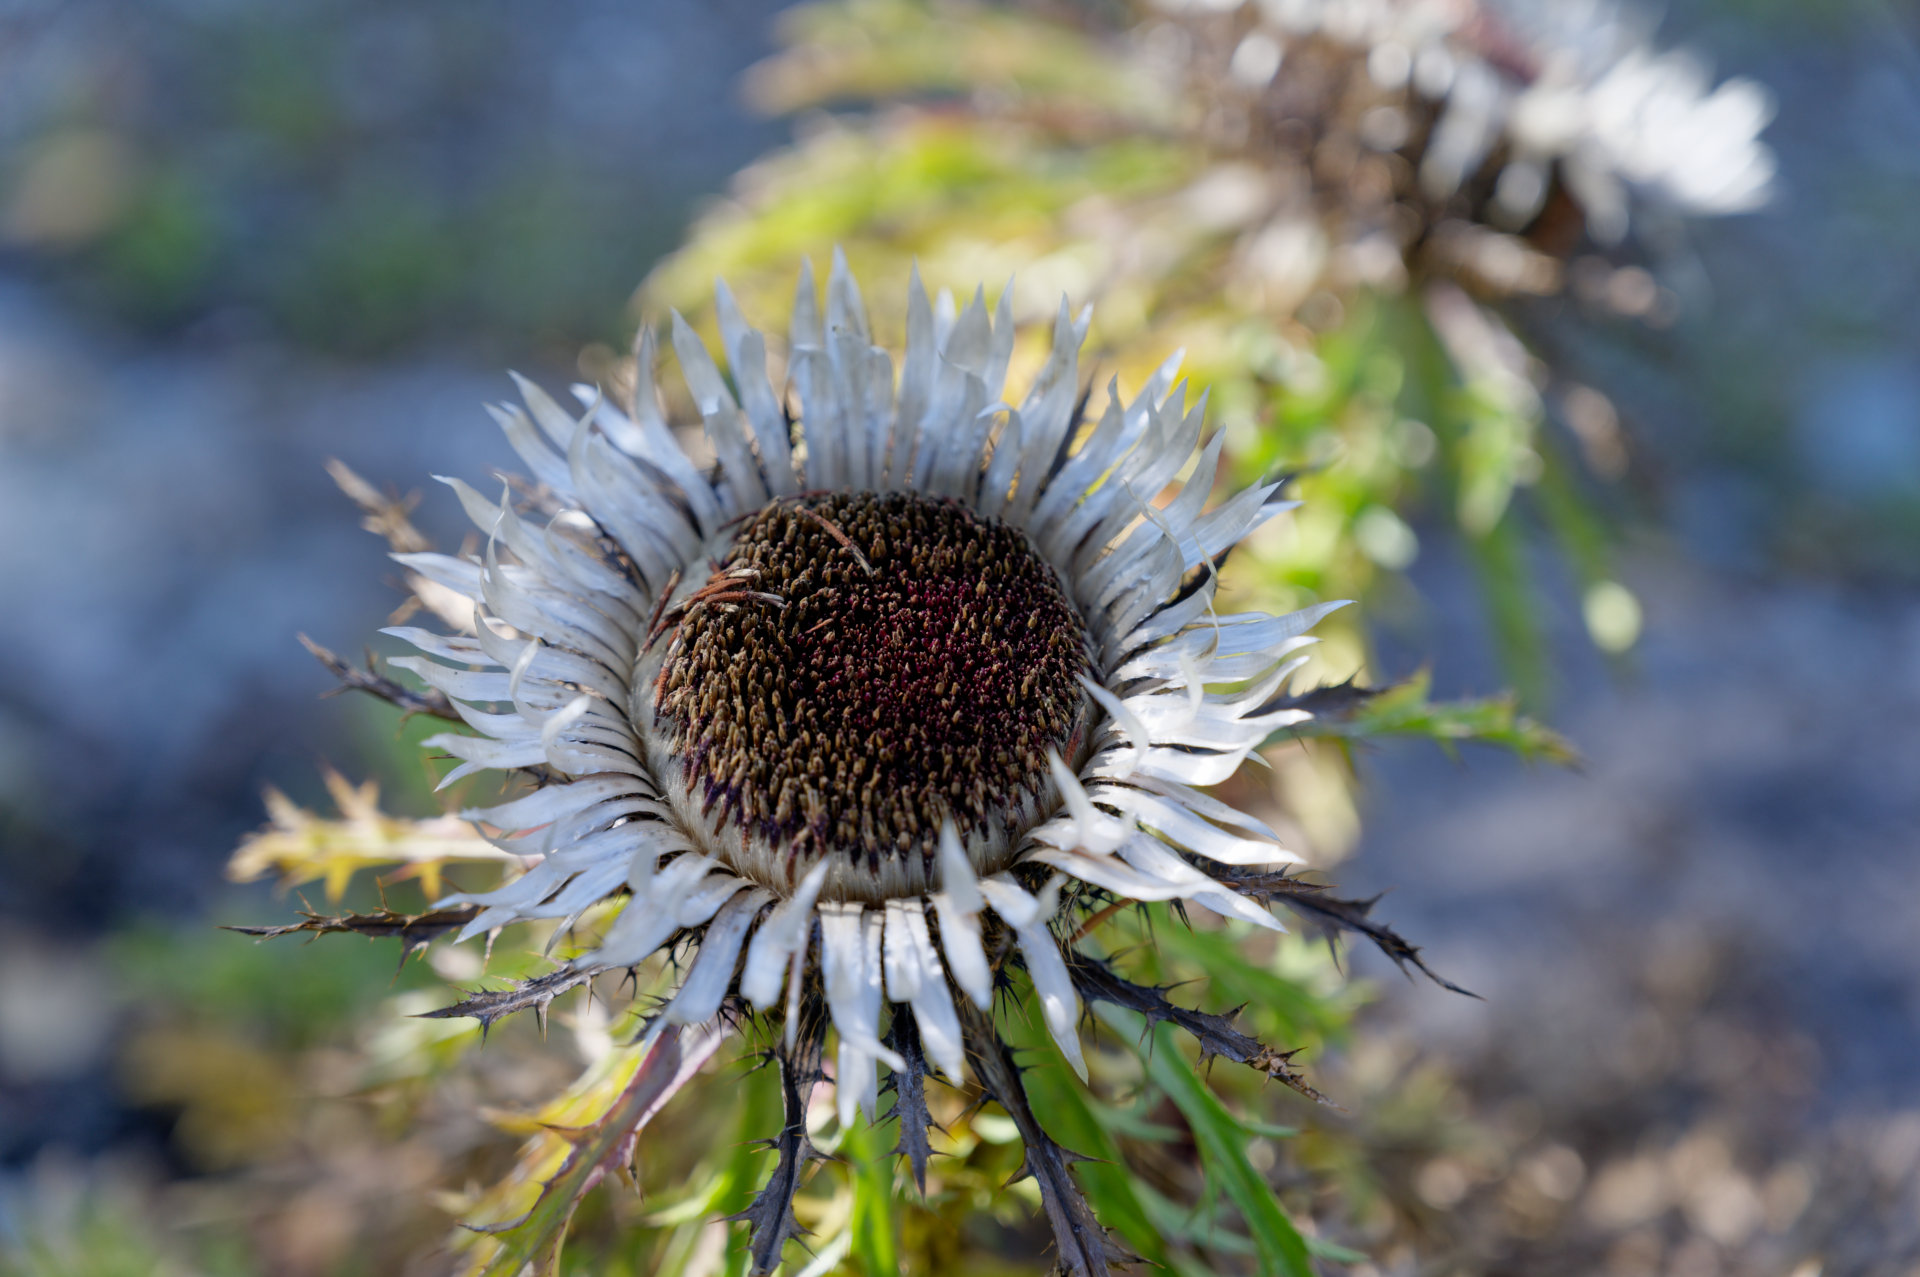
pixel 863 666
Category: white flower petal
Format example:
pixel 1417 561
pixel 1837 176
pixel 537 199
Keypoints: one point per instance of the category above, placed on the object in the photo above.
pixel 548 466
pixel 1178 823
pixel 747 355
pixel 647 922
pixel 779 937
pixel 904 972
pixel 851 966
pixel 1150 856
pixel 914 975
pixel 699 998
pixel 1059 1004
pixel 1124 719
pixel 958 907
pixel 1110 874
pixel 956 872
pixel 544 806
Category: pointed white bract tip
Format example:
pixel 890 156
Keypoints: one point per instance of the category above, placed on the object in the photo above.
pixel 956 871
pixel 846 1091
pixel 779 939
pixel 872 1046
pixel 1049 897
pixel 640 872
pixel 960 938
pixel 566 717
pixel 1059 1003
pixel 521 663
pixel 1138 738
pixel 809 889
pixel 1070 1047
pixel 1016 907
pixel 1085 819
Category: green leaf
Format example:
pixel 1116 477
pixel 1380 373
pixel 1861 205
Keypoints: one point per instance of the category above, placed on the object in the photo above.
pixel 1282 1250
pixel 1323 1249
pixel 1404 709
pixel 876 1242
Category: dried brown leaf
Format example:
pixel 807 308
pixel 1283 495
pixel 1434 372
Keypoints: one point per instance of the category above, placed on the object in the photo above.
pixel 1085 1249
pixel 1216 1034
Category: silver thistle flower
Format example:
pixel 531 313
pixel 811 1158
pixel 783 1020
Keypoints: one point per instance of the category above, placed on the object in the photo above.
pixel 1476 138
pixel 848 710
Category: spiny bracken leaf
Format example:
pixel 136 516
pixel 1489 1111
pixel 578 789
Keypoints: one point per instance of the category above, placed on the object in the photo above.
pixel 910 1097
pixel 1098 982
pixel 415 930
pixel 1334 913
pixel 1403 709
pixel 431 701
pixel 769 1218
pixel 1085 1248
pixel 599 1148
pixel 301 847
pixel 488 1005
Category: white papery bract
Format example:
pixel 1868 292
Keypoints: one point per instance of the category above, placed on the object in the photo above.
pixel 1530 90
pixel 566 601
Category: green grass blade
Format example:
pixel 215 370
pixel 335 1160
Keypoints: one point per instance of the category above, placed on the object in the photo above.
pixel 876 1245
pixel 1282 1250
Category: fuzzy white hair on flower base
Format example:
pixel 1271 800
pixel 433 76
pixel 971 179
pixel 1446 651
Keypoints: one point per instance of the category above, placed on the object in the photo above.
pixel 851 712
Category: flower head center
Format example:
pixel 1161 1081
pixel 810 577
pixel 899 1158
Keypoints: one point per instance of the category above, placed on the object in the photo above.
pixel 860 668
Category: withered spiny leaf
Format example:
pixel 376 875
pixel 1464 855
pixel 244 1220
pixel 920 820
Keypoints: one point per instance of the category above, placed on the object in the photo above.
pixel 415 930
pixel 1085 1248
pixel 1216 1034
pixel 1334 700
pixel 769 1217
pixel 488 1005
pixel 910 1095
pixel 389 516
pixel 1333 913
pixel 606 1145
pixel 431 701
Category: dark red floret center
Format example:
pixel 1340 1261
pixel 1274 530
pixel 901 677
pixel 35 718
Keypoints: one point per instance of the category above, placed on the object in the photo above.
pixel 878 663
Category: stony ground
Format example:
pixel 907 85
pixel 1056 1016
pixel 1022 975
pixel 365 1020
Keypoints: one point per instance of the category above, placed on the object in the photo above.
pixel 1698 953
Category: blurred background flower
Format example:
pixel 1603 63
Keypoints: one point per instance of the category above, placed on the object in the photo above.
pixel 1664 481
